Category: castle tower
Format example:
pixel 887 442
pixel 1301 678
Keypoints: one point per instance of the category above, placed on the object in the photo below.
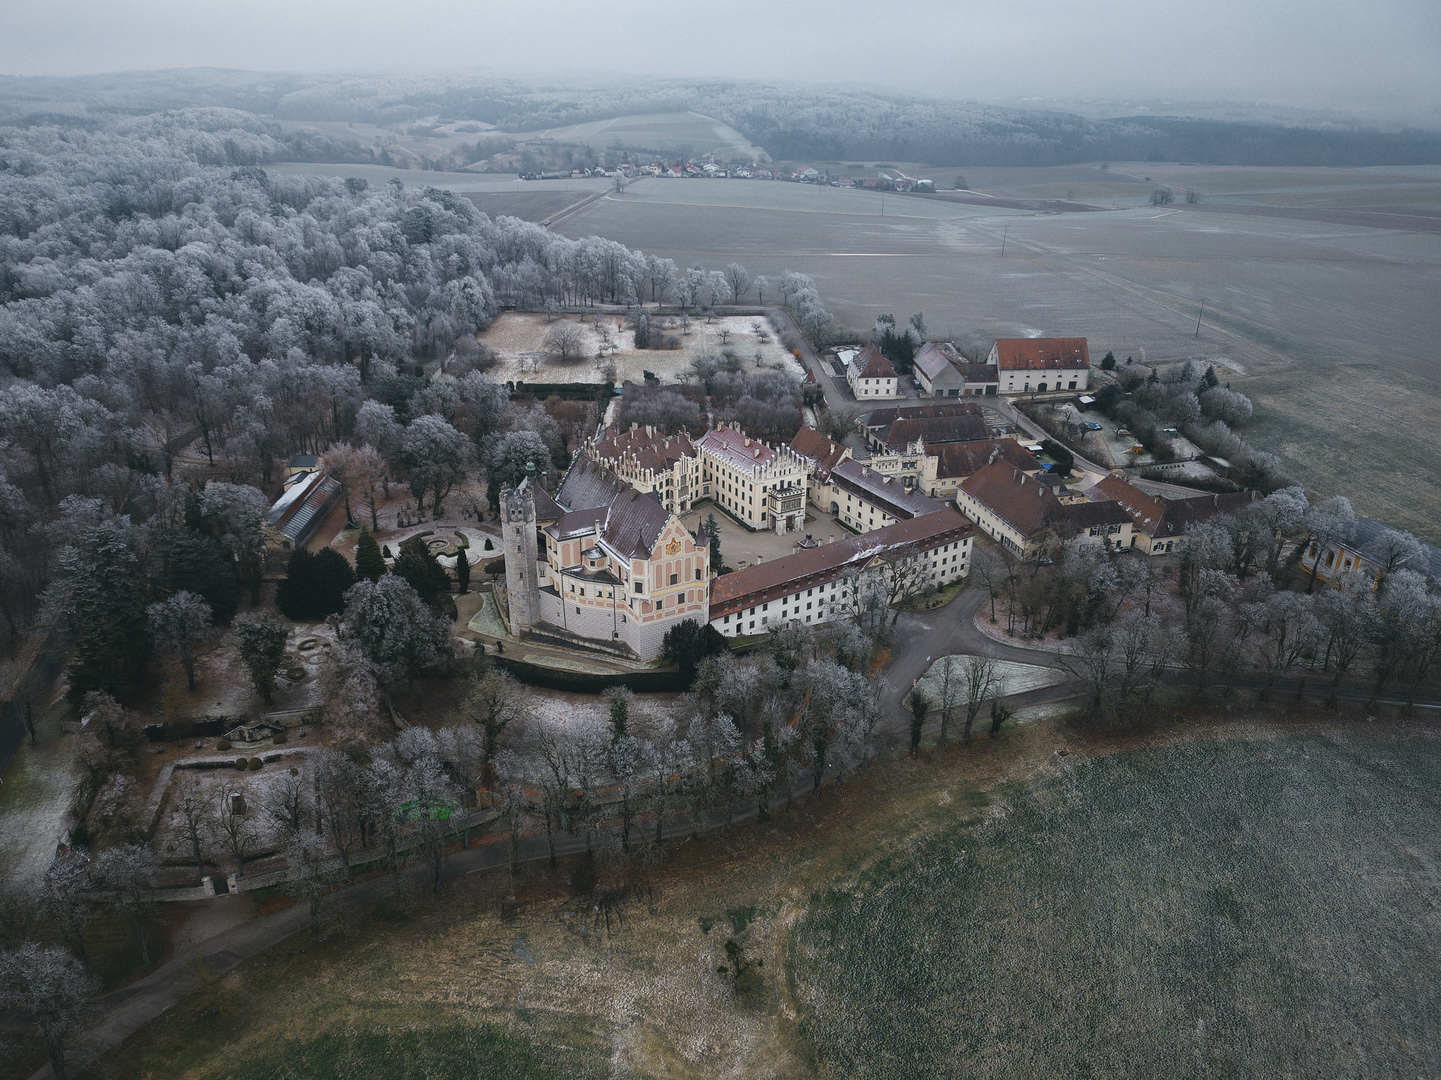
pixel 517 531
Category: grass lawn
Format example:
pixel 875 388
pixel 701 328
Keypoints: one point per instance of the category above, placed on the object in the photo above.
pixel 940 598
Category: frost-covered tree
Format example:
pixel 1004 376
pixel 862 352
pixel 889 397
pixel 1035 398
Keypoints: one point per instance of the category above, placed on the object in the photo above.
pixel 435 457
pixel 261 640
pixel 180 624
pixel 392 628
pixel 50 992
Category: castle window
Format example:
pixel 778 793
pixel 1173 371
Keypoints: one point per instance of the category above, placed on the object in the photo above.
pixel 638 584
pixel 674 578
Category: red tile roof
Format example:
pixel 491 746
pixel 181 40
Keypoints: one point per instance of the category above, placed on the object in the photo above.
pixel 879 418
pixel 1147 511
pixel 817 566
pixel 936 430
pixel 823 453
pixel 964 458
pixel 643 446
pixel 1042 354
pixel 872 364
pixel 1019 501
pixel 736 449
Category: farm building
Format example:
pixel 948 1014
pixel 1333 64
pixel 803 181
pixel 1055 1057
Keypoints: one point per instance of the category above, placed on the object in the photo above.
pixel 1039 365
pixel 871 376
pixel 1159 525
pixel 1021 512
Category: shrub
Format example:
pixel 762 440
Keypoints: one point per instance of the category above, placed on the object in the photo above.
pixel 223 744
pixel 241 764
pixel 280 739
pixel 255 764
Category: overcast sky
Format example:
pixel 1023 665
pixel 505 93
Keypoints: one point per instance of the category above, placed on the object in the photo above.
pixel 1376 55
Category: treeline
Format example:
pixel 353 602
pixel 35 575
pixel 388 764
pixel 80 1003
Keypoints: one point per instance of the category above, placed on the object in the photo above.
pixel 790 124
pixel 1226 614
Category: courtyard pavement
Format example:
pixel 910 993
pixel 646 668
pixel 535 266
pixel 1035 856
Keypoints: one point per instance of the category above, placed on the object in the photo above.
pixel 741 548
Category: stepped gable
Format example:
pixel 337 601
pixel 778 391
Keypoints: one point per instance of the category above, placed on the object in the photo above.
pixel 736 449
pixel 815 566
pixel 644 447
pixel 1042 354
pixel 964 458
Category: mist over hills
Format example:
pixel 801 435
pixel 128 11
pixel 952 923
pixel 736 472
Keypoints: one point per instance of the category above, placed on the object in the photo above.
pixel 791 123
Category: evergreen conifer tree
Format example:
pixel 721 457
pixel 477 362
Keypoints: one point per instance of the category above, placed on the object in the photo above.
pixel 369 563
pixel 418 565
pixel 712 530
pixel 462 571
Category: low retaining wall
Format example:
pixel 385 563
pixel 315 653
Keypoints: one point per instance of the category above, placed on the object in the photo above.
pixel 665 680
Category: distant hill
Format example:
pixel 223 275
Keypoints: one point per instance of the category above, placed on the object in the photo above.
pixel 789 123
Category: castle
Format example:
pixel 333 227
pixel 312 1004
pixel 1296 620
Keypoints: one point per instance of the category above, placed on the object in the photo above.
pixel 601 561
pixel 607 563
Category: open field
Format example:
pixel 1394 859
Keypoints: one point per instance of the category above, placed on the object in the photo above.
pixel 1335 324
pixel 685 133
pixel 1246 897
pixel 517 337
pixel 1219 909
pixel 1334 320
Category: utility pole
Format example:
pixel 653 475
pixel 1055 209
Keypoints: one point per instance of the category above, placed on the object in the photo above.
pixel 1198 319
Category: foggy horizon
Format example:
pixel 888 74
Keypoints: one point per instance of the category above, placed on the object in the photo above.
pixel 1379 62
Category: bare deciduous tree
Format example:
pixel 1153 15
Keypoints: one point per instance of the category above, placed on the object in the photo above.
pixel 564 340
pixel 127 873
pixel 51 990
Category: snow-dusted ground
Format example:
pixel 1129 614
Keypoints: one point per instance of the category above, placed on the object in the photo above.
pixel 216 783
pixel 33 801
pixel 1015 678
pixel 516 336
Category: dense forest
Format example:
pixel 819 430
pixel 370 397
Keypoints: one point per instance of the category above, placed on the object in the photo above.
pixel 159 291
pixel 790 123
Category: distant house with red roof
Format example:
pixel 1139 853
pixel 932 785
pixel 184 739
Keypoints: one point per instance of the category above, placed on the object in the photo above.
pixel 1040 365
pixel 871 376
